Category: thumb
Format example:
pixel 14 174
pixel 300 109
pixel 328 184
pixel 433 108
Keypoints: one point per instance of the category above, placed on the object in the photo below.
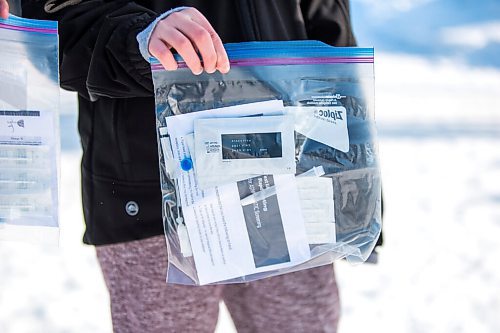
pixel 4 9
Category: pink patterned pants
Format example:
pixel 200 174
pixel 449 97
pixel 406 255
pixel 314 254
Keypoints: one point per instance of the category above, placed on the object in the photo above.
pixel 141 301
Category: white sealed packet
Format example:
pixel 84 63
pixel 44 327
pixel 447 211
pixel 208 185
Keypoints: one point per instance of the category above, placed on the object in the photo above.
pixel 226 148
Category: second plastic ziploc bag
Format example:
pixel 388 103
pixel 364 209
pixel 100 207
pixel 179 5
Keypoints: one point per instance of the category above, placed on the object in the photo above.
pixel 29 144
pixel 271 168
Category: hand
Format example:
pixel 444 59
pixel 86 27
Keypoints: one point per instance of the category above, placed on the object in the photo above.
pixel 188 31
pixel 4 9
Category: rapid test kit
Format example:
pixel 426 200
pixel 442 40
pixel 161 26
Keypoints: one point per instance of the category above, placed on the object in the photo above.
pixel 271 168
pixel 29 144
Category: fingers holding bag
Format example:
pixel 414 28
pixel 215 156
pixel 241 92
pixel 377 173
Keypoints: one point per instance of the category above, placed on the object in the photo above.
pixel 188 32
pixel 4 9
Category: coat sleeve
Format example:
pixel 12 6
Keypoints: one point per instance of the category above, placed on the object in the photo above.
pixel 328 21
pixel 98 52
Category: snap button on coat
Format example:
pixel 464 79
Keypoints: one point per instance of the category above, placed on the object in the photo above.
pixel 132 208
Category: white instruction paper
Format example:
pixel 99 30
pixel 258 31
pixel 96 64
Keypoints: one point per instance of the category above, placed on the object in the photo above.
pixel 28 169
pixel 230 240
pixel 233 232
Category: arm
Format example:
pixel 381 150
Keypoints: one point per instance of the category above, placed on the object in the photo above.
pixel 99 53
pixel 328 21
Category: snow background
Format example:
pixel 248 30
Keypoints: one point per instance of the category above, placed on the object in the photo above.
pixel 438 114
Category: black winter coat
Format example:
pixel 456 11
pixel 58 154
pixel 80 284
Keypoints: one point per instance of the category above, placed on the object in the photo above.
pixel 100 60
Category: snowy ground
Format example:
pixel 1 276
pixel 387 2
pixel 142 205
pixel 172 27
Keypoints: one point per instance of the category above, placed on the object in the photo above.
pixel 440 154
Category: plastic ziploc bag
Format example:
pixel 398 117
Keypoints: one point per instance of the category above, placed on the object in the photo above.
pixel 228 221
pixel 29 144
